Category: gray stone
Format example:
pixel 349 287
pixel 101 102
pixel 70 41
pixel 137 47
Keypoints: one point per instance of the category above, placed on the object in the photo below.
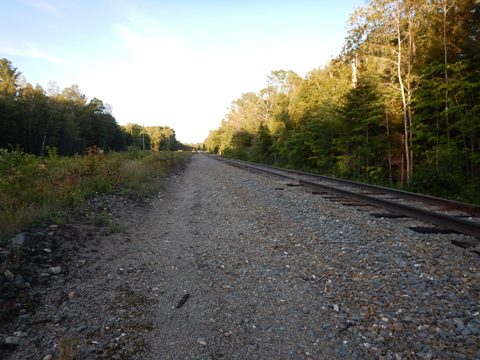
pixel 56 269
pixel 459 324
pixel 9 275
pixel 356 317
pixel 474 329
pixel 19 281
pixel 82 328
pixel 342 351
pixel 19 240
pixel 12 341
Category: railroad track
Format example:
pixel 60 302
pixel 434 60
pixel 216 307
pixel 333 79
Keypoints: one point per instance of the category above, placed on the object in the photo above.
pixel 448 216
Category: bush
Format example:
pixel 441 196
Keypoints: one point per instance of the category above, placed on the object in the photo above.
pixel 435 182
pixel 33 187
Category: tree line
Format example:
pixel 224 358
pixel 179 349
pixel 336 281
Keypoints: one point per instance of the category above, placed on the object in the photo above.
pixel 399 105
pixel 65 122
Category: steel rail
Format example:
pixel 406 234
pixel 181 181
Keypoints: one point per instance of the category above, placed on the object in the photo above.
pixel 443 221
pixel 470 209
pixel 245 165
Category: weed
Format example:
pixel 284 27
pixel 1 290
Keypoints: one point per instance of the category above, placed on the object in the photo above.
pixel 59 218
pixel 9 291
pixel 115 228
pixel 33 188
pixel 105 220
pixel 101 219
pixel 16 254
pixel 68 348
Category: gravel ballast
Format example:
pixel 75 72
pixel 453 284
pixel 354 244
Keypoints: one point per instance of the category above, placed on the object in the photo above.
pixel 226 264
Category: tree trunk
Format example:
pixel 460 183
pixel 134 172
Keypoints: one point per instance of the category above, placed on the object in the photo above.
pixel 445 10
pixel 354 71
pixel 472 149
pixel 406 121
pixel 411 54
pixel 44 140
pixel 402 167
pixel 466 158
pixel 437 135
pixel 389 151
pixel 368 158
pixel 410 125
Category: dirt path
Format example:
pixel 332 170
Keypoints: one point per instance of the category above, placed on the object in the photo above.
pixel 210 245
pixel 265 271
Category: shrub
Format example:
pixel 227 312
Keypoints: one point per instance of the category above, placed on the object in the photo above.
pixel 33 187
pixel 435 182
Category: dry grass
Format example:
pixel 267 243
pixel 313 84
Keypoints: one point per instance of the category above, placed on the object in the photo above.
pixel 68 349
pixel 32 187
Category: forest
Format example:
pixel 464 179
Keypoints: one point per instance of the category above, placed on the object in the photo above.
pixel 400 105
pixel 65 122
pixel 57 149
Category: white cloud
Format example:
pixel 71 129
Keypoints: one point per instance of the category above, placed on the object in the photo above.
pixel 167 81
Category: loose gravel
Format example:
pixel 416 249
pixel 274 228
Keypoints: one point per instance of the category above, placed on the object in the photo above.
pixel 233 265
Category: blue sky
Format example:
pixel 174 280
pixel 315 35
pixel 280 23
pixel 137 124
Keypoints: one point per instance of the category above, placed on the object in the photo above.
pixel 176 63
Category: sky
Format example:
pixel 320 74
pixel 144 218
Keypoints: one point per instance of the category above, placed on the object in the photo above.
pixel 170 63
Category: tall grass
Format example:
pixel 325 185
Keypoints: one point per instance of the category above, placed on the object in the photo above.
pixel 32 187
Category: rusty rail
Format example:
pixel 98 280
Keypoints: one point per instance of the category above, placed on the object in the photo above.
pixel 441 220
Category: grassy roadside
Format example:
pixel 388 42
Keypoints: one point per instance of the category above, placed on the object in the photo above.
pixel 33 188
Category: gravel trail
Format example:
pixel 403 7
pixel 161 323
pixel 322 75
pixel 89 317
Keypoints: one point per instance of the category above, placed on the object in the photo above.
pixel 275 272
pixel 225 264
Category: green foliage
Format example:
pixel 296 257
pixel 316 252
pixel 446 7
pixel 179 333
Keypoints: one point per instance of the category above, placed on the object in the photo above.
pixel 400 104
pixel 143 176
pixel 105 220
pixel 363 136
pixel 8 79
pixel 152 138
pixel 33 187
pixel 435 182
pixel 261 149
pixel 67 121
